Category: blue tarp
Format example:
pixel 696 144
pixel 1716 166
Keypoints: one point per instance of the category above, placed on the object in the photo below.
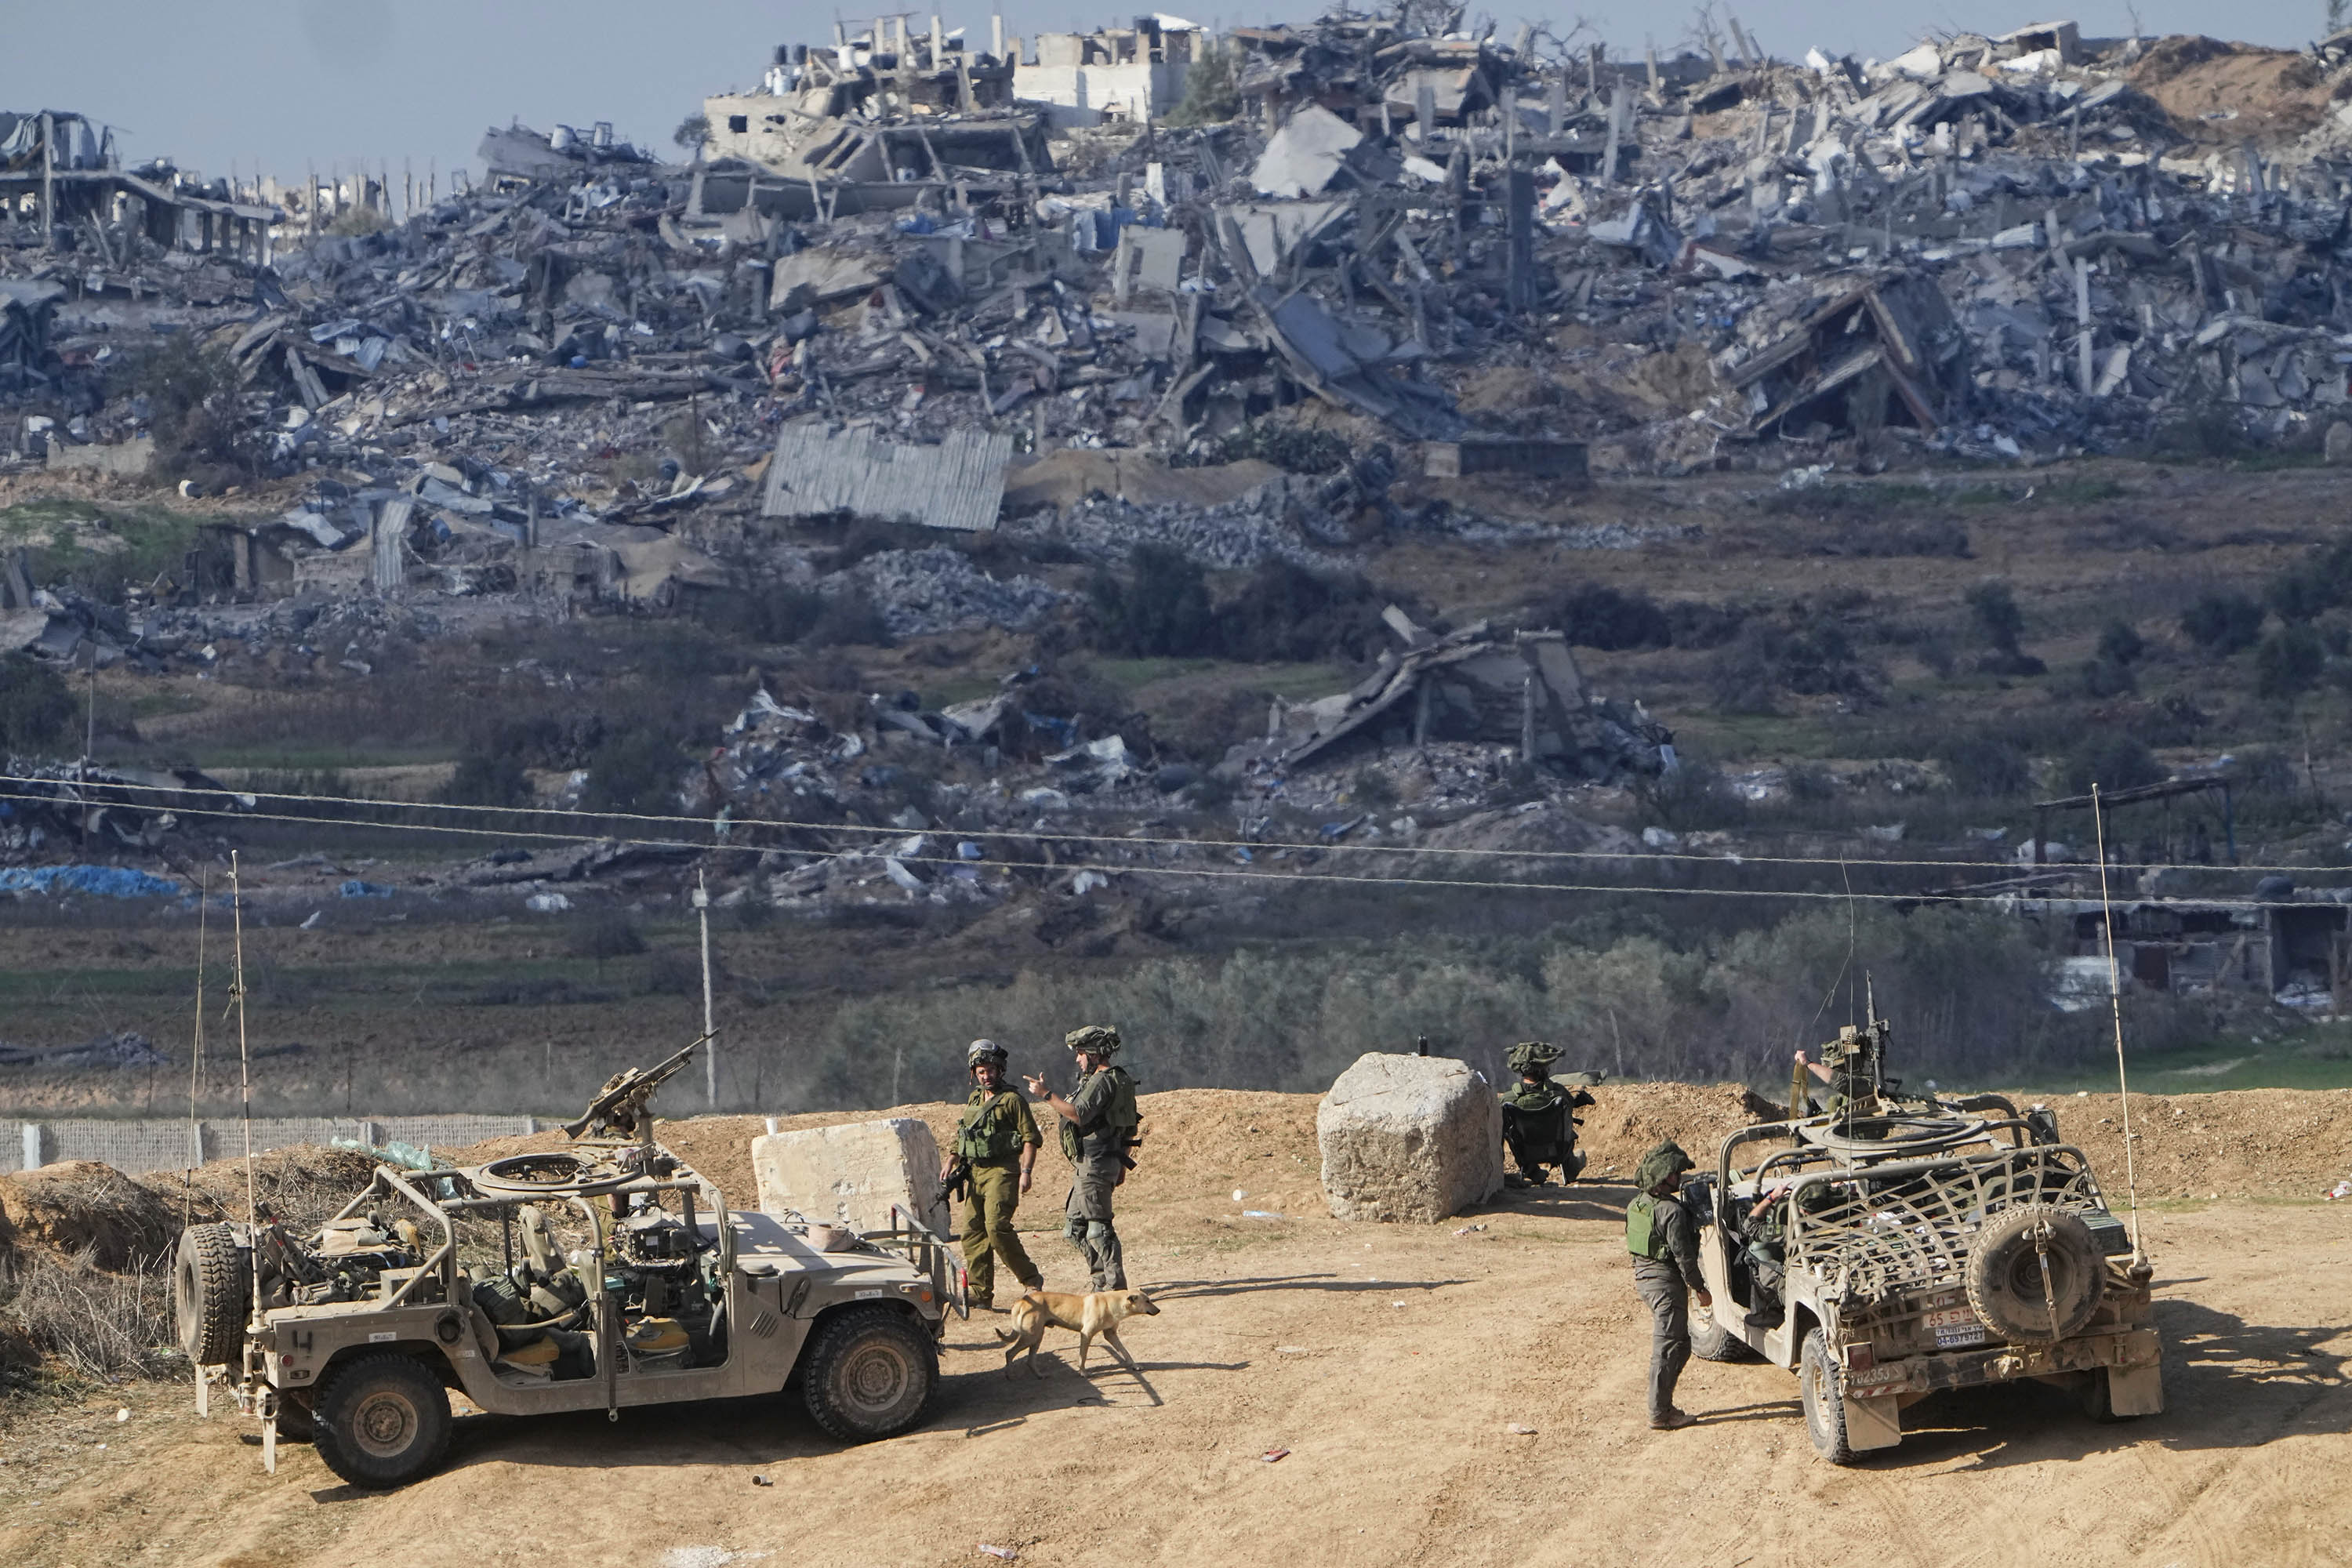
pixel 355 889
pixel 103 881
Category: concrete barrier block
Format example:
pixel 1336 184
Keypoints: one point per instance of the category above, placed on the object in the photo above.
pixel 851 1175
pixel 1409 1138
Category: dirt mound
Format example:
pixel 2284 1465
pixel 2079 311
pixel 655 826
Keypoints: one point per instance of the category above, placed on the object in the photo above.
pixel 1200 1144
pixel 2217 92
pixel 83 1207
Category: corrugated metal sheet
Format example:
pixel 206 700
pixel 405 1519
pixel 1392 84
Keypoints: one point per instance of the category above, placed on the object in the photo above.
pixel 958 484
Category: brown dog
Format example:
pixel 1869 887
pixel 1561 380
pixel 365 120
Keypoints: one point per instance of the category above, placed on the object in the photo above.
pixel 1097 1313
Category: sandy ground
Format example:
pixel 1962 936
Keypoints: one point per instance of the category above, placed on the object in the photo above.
pixel 1392 1362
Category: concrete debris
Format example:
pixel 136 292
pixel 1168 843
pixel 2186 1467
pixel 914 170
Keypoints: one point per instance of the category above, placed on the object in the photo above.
pixel 75 808
pixel 1471 685
pixel 958 484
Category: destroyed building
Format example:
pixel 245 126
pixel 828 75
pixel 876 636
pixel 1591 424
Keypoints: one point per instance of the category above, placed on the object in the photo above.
pixel 1520 690
pixel 1136 74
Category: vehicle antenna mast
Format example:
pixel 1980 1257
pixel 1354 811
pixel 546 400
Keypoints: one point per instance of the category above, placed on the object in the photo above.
pixel 2115 1007
pixel 195 1065
pixel 244 1063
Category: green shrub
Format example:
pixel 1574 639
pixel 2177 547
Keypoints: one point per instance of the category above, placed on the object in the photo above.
pixel 2120 642
pixel 606 934
pixel 1998 620
pixel 489 778
pixel 1212 86
pixel 2112 763
pixel 2288 662
pixel 191 394
pixel 1981 762
pixel 1162 610
pixel 37 707
pixel 634 771
pixel 2222 622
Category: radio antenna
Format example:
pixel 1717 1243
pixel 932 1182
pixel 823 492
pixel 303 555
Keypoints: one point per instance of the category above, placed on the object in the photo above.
pixel 2115 1007
pixel 244 1063
pixel 197 1055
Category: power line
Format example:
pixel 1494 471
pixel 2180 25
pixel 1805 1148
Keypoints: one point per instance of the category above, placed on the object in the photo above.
pixel 1257 873
pixel 1253 845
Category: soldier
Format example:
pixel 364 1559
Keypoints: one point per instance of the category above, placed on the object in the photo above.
pixel 1538 1125
pixel 997 1143
pixel 1664 1241
pixel 1098 1123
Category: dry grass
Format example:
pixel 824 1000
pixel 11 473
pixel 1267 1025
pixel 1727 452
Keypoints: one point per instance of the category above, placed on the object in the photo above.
pixel 88 1322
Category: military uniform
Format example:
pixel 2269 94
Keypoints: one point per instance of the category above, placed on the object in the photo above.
pixel 1664 1241
pixel 1097 1143
pixel 995 1128
pixel 1538 1127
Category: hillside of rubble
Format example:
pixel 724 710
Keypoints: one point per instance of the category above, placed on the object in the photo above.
pixel 1413 535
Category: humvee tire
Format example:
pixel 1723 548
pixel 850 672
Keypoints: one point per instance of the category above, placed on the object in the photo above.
pixel 1824 1396
pixel 869 1374
pixel 212 1292
pixel 382 1421
pixel 2003 1274
pixel 1710 1341
pixel 295 1422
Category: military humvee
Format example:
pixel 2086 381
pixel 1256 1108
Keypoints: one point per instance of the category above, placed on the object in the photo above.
pixel 1899 1245
pixel 605 1274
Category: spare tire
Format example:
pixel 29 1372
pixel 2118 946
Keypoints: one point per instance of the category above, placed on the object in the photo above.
pixel 212 1291
pixel 2006 1287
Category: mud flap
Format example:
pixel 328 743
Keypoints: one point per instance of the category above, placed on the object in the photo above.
pixel 204 1393
pixel 270 1443
pixel 2135 1391
pixel 1875 1422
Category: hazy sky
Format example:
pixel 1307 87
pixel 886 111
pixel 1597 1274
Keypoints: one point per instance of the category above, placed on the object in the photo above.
pixel 275 83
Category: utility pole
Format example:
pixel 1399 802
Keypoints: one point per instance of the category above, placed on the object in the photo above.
pixel 709 1039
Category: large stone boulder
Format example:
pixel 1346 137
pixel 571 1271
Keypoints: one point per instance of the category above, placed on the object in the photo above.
pixel 851 1175
pixel 1409 1138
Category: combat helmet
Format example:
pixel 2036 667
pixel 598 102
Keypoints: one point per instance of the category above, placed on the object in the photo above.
pixel 981 1051
pixel 1099 1038
pixel 1662 1164
pixel 1533 1057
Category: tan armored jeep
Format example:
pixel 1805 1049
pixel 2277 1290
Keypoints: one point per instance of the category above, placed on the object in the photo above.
pixel 606 1274
pixel 1900 1246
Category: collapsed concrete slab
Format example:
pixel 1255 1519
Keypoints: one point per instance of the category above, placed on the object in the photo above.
pixel 958 484
pixel 1409 1138
pixel 852 1175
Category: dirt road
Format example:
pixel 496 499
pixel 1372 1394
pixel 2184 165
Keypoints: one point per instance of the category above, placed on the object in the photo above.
pixel 1392 1363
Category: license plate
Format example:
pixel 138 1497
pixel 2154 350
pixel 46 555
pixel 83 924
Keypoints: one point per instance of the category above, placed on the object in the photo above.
pixel 1954 1328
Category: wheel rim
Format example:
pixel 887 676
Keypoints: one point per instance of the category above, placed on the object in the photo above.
pixel 385 1424
pixel 1816 1399
pixel 2025 1285
pixel 876 1377
pixel 184 1302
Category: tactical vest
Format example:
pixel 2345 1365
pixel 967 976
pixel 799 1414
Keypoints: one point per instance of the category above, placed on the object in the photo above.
pixel 1116 1129
pixel 1646 1228
pixel 989 1134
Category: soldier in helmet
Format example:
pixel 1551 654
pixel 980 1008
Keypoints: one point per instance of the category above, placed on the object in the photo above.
pixel 1664 1241
pixel 997 1143
pixel 1098 1123
pixel 1538 1126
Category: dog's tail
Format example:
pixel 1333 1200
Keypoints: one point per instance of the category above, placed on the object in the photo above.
pixel 1004 1338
